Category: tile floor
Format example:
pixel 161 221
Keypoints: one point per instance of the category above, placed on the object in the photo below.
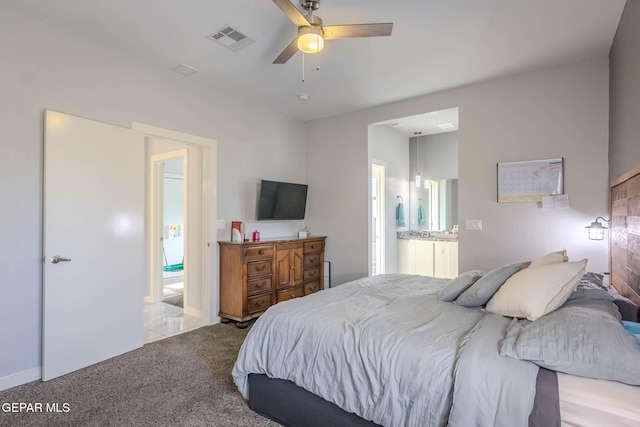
pixel 172 289
pixel 164 320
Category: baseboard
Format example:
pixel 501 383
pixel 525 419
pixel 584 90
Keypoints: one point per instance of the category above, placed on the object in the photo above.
pixel 20 378
pixel 192 311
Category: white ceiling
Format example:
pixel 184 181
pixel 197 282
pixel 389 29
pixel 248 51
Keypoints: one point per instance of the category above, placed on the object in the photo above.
pixel 435 44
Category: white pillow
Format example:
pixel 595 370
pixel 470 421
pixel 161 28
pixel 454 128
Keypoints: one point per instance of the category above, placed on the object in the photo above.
pixel 551 258
pixel 534 292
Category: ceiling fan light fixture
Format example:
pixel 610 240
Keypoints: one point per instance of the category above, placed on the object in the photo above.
pixel 311 33
pixel 310 39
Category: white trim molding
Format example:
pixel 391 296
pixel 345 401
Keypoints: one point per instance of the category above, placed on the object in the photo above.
pixel 20 378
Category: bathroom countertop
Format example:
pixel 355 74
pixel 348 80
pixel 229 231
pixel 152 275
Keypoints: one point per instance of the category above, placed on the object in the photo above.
pixel 429 236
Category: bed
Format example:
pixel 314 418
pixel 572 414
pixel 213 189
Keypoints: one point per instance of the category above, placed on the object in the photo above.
pixel 484 349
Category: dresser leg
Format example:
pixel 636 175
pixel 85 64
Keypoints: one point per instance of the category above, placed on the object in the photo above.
pixel 224 320
pixel 242 325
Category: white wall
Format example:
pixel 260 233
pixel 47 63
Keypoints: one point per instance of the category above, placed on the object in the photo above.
pixel 46 68
pixel 555 112
pixel 392 148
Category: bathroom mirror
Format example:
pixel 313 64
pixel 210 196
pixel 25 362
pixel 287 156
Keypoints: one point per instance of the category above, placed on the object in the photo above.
pixel 434 206
pixel 433 203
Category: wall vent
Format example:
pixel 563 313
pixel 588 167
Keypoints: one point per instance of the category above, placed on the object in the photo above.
pixel 231 38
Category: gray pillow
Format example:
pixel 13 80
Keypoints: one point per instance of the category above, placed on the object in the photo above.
pixel 458 285
pixel 584 338
pixel 483 289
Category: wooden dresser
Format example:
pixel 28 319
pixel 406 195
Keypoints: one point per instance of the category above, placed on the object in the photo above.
pixel 256 275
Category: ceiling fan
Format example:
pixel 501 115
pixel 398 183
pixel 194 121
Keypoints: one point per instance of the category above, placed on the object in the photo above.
pixel 311 33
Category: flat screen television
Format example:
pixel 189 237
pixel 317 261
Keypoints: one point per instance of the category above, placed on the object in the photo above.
pixel 281 200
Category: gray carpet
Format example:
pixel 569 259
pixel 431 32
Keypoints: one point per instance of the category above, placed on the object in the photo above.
pixel 177 300
pixel 179 381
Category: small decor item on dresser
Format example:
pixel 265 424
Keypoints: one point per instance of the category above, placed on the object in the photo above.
pixel 304 233
pixel 237 231
pixel 255 236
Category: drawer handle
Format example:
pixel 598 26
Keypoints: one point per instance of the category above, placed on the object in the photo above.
pixel 260 302
pixel 261 252
pixel 313 246
pixel 313 273
pixel 260 268
pixel 261 284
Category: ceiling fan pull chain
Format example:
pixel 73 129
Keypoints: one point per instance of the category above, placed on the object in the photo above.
pixel 302 67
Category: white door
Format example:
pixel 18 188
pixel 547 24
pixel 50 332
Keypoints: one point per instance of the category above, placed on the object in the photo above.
pixel 94 221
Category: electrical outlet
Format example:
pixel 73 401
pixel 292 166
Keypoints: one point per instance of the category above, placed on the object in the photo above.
pixel 221 224
pixel 474 224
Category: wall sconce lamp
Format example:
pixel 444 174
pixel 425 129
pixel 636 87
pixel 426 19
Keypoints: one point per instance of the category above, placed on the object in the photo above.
pixel 596 229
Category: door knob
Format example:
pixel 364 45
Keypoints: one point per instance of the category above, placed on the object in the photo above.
pixel 57 258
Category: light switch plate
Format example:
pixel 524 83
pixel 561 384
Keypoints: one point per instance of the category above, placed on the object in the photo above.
pixel 220 225
pixel 474 224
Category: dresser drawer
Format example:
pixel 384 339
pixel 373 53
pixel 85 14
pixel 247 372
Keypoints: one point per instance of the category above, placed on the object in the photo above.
pixel 312 246
pixel 311 273
pixel 311 287
pixel 311 260
pixel 258 303
pixel 288 294
pixel 253 253
pixel 258 285
pixel 258 268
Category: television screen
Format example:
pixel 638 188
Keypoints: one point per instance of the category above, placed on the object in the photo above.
pixel 281 200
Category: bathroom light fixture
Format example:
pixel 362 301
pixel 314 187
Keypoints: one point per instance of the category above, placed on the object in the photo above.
pixel 447 126
pixel 596 229
pixel 417 134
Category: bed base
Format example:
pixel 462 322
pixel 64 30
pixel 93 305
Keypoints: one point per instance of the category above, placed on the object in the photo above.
pixel 293 406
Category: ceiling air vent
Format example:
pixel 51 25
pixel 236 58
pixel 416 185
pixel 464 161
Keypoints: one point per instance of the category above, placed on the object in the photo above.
pixel 231 38
pixel 185 70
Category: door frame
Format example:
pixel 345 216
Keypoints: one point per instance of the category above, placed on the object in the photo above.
pixel 156 221
pixel 382 219
pixel 210 291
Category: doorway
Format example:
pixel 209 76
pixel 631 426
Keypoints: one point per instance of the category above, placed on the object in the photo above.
pixel 169 209
pixel 174 185
pixel 169 310
pixel 378 229
pixel 191 225
pixel 420 153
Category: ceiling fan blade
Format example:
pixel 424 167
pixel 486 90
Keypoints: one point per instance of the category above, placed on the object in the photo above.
pixel 357 30
pixel 287 53
pixel 292 12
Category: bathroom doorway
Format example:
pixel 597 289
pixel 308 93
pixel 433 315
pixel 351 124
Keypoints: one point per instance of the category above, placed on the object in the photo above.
pixel 420 153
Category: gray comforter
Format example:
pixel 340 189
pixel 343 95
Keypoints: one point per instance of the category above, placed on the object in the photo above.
pixel 386 349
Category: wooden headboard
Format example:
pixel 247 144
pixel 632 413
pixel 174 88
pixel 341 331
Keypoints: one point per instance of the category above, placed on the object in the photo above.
pixel 625 235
